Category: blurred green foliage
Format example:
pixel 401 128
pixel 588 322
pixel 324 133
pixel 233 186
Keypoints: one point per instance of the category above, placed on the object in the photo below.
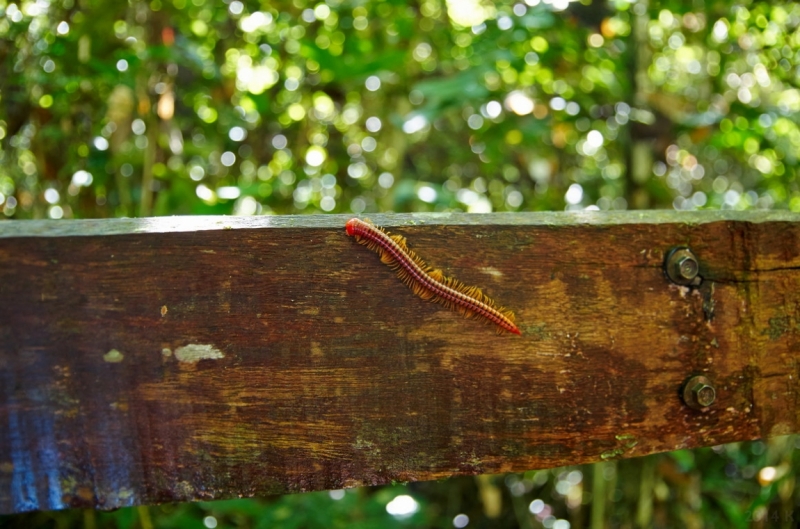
pixel 738 485
pixel 294 106
pixel 190 106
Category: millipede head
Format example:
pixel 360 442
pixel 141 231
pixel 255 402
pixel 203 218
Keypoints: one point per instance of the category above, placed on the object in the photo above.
pixel 351 226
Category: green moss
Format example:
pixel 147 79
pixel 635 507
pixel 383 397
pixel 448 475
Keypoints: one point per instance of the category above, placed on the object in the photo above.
pixel 610 454
pixel 625 442
pixel 777 327
pixel 539 331
pixel 628 440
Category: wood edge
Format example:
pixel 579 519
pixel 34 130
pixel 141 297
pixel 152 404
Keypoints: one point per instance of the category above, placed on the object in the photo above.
pixel 127 226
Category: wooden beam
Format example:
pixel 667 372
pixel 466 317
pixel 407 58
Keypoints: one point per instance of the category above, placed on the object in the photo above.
pixel 176 359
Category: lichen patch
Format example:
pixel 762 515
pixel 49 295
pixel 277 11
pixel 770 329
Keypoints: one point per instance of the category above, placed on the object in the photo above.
pixel 194 352
pixel 113 356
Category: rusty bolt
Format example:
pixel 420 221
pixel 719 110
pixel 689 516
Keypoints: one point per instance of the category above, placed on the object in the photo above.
pixel 699 392
pixel 682 267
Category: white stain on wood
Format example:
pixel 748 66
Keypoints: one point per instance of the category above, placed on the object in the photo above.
pixel 492 271
pixel 194 352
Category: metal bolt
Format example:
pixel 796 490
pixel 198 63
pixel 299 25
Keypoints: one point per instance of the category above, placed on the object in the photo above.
pixel 699 392
pixel 682 267
pixel 688 268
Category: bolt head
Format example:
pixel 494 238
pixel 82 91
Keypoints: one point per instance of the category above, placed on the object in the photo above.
pixel 688 267
pixel 704 394
pixel 682 267
pixel 699 393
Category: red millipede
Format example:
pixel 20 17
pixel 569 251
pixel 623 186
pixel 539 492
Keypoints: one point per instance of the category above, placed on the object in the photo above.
pixel 427 283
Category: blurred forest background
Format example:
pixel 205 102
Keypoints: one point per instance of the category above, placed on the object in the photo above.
pixel 163 107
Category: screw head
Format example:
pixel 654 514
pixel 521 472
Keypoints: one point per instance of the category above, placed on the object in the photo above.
pixel 699 393
pixel 682 267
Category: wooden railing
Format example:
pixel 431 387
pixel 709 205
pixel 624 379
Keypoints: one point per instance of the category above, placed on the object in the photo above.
pixel 178 359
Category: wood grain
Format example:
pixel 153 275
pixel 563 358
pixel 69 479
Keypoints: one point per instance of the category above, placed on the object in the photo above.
pixel 155 360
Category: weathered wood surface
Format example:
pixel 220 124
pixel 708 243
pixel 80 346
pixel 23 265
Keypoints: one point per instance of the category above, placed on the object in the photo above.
pixel 176 359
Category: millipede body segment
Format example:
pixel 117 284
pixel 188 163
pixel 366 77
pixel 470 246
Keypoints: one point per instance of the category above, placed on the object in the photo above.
pixel 428 283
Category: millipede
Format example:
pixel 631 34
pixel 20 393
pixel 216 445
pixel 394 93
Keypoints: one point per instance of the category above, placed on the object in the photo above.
pixel 426 282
